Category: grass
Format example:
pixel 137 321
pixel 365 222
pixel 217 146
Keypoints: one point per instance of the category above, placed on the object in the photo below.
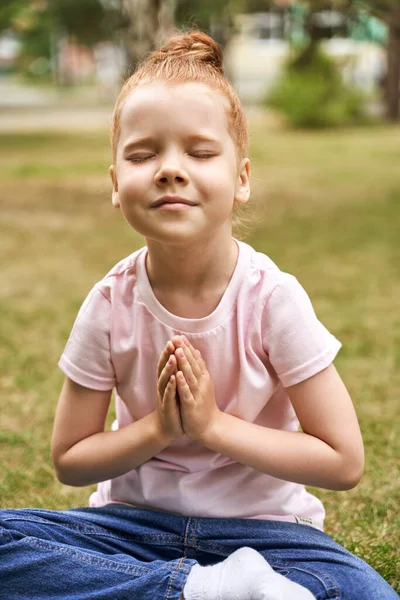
pixel 327 210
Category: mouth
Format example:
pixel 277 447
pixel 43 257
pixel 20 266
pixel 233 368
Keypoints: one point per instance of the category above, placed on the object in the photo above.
pixel 172 200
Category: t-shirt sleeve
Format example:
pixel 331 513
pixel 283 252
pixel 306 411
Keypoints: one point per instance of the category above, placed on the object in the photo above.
pixel 297 343
pixel 87 356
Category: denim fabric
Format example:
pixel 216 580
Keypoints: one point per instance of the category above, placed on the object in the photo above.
pixel 122 553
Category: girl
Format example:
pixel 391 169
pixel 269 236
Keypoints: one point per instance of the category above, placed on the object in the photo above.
pixel 216 356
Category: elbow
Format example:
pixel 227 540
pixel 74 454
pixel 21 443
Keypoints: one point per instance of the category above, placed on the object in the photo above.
pixel 67 478
pixel 62 475
pixel 58 464
pixel 350 481
pixel 65 474
pixel 350 475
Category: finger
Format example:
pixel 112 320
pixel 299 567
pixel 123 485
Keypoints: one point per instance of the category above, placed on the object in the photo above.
pixel 192 356
pixel 197 354
pixel 165 375
pixel 166 353
pixel 186 368
pixel 201 362
pixel 177 341
pixel 190 347
pixel 162 361
pixel 185 394
pixel 170 390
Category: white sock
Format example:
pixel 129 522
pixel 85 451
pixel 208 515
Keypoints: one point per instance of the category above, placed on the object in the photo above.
pixel 244 575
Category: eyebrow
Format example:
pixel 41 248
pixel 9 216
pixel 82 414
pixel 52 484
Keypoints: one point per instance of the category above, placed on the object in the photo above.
pixel 143 141
pixel 203 138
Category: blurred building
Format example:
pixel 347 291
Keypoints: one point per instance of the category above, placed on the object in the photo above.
pixel 9 49
pixel 101 64
pixel 261 44
pixel 76 64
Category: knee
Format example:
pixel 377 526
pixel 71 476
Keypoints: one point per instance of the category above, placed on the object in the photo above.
pixel 350 580
pixel 364 582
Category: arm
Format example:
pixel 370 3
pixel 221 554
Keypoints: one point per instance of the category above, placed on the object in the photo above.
pixel 328 453
pixel 83 453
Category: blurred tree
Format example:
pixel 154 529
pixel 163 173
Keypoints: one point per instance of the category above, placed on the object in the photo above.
pixel 147 22
pixel 389 12
pixel 213 16
pixel 210 16
pixel 42 24
pixel 31 22
pixel 318 28
pixel 35 57
pixel 89 21
pixel 9 9
pixel 386 10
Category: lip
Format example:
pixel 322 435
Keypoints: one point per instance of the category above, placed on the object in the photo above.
pixel 170 200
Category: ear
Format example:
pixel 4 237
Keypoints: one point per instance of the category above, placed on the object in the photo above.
pixel 114 196
pixel 242 191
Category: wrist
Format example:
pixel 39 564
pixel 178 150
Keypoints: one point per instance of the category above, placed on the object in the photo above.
pixel 213 432
pixel 161 437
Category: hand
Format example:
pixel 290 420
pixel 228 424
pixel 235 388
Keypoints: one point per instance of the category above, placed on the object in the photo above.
pixel 167 407
pixel 198 407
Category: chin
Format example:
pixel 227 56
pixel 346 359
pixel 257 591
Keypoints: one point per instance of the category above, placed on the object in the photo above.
pixel 176 235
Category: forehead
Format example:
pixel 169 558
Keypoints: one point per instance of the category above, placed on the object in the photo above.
pixel 162 108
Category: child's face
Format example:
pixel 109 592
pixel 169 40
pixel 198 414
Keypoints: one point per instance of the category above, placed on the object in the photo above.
pixel 176 175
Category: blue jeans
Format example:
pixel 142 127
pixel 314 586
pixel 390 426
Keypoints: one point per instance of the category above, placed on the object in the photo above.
pixel 123 553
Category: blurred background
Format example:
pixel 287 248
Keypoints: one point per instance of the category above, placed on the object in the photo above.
pixel 52 50
pixel 319 80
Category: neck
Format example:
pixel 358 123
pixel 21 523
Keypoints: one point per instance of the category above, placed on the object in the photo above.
pixel 193 267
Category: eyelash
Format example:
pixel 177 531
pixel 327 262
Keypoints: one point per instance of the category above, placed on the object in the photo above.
pixel 141 159
pixel 202 155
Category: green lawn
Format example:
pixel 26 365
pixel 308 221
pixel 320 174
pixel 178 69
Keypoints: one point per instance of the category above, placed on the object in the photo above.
pixel 326 208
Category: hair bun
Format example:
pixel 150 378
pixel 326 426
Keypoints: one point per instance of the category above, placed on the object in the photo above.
pixel 195 44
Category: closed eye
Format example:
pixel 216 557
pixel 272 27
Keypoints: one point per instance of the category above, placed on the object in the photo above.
pixel 202 154
pixel 140 158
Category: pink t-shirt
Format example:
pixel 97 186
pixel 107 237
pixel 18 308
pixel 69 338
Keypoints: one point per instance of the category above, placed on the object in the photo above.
pixel 262 337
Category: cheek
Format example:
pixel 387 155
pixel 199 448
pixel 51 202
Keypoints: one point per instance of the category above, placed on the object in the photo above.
pixel 218 174
pixel 223 179
pixel 135 178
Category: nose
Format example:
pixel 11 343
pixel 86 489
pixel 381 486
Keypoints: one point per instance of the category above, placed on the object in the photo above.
pixel 171 171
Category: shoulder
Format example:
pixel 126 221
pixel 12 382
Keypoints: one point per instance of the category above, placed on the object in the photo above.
pixel 263 273
pixel 275 295
pixel 122 278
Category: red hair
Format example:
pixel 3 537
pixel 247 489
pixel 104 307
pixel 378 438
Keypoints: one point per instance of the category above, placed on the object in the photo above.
pixel 187 57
